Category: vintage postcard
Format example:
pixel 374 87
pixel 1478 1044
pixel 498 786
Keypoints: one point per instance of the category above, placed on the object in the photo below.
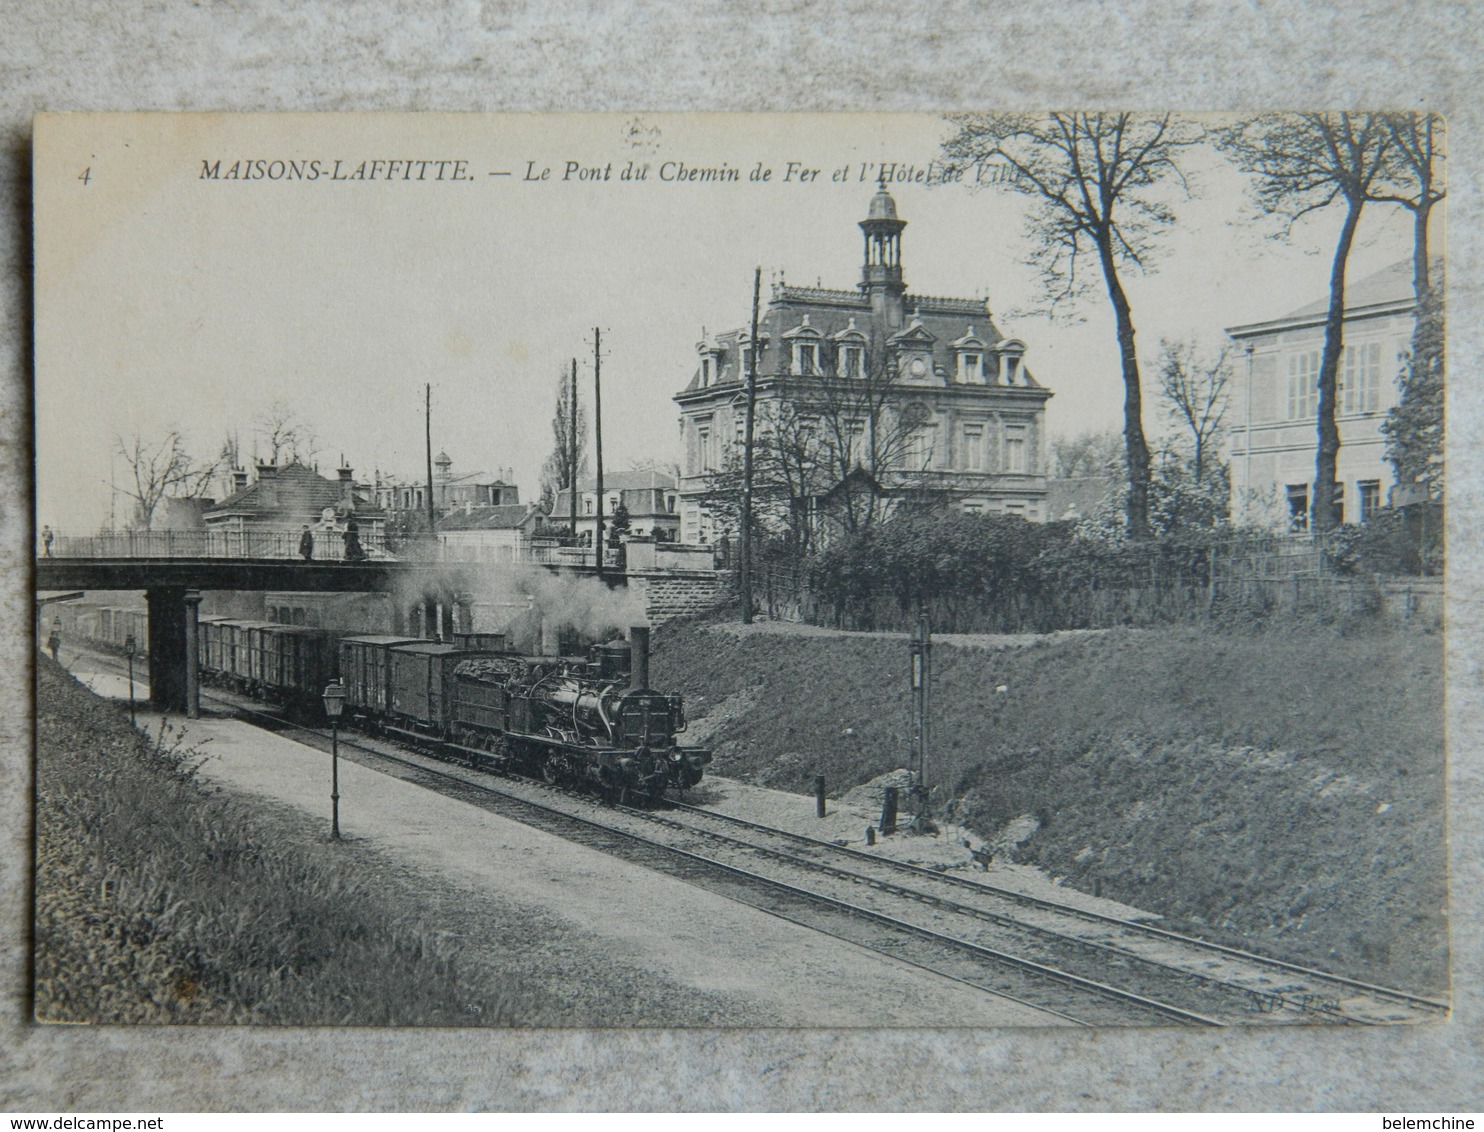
pixel 740 570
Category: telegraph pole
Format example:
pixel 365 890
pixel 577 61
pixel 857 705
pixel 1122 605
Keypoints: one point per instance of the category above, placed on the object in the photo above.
pixel 922 657
pixel 572 467
pixel 428 419
pixel 598 438
pixel 746 549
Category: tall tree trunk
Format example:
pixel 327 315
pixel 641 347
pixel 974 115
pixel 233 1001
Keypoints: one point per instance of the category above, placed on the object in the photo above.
pixel 1136 447
pixel 1326 515
pixel 1420 275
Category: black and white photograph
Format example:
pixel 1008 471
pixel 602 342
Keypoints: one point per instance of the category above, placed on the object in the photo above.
pixel 970 570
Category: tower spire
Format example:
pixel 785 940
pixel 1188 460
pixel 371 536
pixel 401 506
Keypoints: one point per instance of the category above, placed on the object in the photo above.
pixel 881 273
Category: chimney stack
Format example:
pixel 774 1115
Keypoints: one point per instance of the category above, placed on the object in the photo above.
pixel 239 479
pixel 639 656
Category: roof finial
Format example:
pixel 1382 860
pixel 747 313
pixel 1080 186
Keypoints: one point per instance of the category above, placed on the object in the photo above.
pixel 881 178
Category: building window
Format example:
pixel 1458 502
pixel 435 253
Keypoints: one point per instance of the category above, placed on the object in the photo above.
pixel 1360 379
pixel 854 438
pixel 670 504
pixel 972 456
pixel 973 507
pixel 1303 385
pixel 971 368
pixel 1015 461
pixel 1370 498
pixel 1298 506
pixel 744 353
pixel 705 371
pixel 806 357
pixel 852 361
pixel 918 452
pixel 587 507
pixel 704 455
pixel 1015 507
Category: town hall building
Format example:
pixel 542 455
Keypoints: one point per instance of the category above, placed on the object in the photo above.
pixel 912 395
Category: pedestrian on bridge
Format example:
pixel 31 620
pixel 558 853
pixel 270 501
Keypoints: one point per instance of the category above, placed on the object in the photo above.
pixel 353 551
pixel 306 543
pixel 46 541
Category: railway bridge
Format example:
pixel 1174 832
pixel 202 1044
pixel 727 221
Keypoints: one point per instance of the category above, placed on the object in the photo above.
pixel 173 573
pixel 174 568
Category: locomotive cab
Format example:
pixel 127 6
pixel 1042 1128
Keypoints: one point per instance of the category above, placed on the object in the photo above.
pixel 612 661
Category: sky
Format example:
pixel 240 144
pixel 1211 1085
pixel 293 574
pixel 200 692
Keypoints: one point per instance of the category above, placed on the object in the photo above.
pixel 166 298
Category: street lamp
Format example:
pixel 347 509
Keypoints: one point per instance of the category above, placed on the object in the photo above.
pixel 334 704
pixel 130 644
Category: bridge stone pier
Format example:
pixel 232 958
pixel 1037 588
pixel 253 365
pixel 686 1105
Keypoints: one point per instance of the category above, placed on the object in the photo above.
pixel 174 649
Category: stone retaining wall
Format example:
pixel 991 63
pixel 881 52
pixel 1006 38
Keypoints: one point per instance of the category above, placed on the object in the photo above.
pixel 680 593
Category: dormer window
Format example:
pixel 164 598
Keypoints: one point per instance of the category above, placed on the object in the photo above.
pixel 806 357
pixel 706 376
pixel 852 361
pixel 1011 352
pixel 970 351
pixel 850 351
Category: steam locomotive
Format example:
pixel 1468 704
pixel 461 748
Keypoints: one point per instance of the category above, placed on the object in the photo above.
pixel 588 722
pixel 593 723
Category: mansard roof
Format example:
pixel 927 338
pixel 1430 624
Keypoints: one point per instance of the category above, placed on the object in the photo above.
pixel 942 323
pixel 293 491
pixel 500 517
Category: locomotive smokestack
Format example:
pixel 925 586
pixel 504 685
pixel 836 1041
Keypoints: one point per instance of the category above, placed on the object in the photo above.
pixel 638 656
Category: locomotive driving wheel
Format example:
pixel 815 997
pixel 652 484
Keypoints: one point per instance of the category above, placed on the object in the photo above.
pixel 551 768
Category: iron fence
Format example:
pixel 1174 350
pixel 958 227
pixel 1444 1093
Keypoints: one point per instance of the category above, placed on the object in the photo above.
pixel 329 546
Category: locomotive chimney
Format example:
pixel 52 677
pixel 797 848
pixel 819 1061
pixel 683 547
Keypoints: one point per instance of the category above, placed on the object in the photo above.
pixel 638 656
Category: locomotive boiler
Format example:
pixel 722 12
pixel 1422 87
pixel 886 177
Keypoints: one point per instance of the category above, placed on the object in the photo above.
pixel 594 722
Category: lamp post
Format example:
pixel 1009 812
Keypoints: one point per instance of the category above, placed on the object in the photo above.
pixel 130 644
pixel 334 704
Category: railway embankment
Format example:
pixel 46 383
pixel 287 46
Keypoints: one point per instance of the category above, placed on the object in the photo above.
pixel 1278 791
pixel 159 899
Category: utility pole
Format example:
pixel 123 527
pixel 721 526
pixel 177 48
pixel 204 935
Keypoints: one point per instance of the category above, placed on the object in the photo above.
pixel 572 466
pixel 922 657
pixel 598 439
pixel 746 549
pixel 428 419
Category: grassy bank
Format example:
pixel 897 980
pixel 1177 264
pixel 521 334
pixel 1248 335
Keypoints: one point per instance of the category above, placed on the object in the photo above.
pixel 1282 791
pixel 162 900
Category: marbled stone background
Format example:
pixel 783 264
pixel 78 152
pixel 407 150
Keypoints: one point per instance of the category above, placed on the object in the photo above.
pixel 716 55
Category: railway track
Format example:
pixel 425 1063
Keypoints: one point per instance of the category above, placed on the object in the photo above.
pixel 1079 966
pixel 1241 983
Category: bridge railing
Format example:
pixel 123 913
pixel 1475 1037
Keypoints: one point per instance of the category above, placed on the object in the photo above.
pixel 329 546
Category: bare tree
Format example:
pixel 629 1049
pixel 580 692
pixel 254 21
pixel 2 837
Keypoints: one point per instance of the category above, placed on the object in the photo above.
pixel 861 437
pixel 1101 186
pixel 227 461
pixel 159 469
pixel 1417 181
pixel 1304 163
pixel 825 445
pixel 566 465
pixel 1087 454
pixel 285 434
pixel 1194 389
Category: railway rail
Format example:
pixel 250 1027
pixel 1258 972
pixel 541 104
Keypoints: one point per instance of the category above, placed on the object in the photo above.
pixel 1080 966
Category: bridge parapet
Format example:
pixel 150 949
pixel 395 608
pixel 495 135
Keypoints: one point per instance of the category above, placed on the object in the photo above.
pixel 260 546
